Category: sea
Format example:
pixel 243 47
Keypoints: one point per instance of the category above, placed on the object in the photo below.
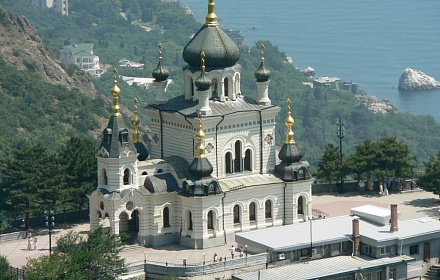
pixel 369 43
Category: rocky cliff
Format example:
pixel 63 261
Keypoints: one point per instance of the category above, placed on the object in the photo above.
pixel 412 79
pixel 21 46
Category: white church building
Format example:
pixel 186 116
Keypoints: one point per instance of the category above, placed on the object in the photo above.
pixel 212 169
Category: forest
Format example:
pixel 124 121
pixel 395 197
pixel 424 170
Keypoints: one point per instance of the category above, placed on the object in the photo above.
pixel 50 115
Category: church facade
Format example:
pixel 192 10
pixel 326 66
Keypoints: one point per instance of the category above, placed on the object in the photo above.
pixel 212 169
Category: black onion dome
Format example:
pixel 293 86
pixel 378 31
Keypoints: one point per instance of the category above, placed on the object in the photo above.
pixel 290 153
pixel 262 74
pixel 160 74
pixel 201 168
pixel 220 49
pixel 203 82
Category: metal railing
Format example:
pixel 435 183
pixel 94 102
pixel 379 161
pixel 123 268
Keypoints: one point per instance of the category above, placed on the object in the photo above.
pixel 197 269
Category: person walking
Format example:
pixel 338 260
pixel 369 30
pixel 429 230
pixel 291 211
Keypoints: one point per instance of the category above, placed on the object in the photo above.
pixel 232 251
pixel 380 188
pixel 29 246
pixel 241 251
pixel 361 185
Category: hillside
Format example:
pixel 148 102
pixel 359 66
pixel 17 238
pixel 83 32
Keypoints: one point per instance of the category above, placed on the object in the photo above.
pixel 22 47
pixel 41 102
pixel 51 102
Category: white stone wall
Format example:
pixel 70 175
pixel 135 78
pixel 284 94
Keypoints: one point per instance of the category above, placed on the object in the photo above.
pixel 115 171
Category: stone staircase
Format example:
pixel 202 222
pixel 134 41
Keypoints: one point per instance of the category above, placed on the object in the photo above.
pixel 433 273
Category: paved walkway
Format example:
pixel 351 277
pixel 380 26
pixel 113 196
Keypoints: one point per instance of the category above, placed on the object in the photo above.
pixel 411 205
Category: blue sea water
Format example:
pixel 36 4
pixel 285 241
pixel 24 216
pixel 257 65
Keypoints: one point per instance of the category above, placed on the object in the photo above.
pixel 367 42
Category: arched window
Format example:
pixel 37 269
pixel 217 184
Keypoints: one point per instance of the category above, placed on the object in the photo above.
pixel 237 160
pixel 247 160
pixel 126 176
pixel 252 212
pixel 104 178
pixel 214 88
pixel 236 214
pixel 268 209
pixel 166 217
pixel 228 162
pixel 300 205
pixel 192 87
pixel 190 221
pixel 210 220
pixel 226 87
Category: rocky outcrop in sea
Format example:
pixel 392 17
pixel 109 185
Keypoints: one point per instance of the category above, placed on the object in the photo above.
pixel 412 79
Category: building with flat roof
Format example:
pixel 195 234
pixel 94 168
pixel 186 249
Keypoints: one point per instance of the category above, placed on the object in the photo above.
pixel 81 55
pixel 61 6
pixel 378 247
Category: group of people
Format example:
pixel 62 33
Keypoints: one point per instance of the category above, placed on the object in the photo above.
pixel 396 184
pixel 383 189
pixel 31 240
pixel 233 251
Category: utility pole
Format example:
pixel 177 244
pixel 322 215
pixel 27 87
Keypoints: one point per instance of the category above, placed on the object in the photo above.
pixel 340 132
pixel 50 224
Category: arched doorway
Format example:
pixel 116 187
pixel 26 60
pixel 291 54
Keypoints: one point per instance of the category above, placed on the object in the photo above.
pixel 123 222
pixel 133 223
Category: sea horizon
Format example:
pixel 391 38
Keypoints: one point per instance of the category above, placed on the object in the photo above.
pixel 369 43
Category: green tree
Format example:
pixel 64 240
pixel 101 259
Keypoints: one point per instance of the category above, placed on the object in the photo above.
pixel 362 162
pixel 394 158
pixel 79 257
pixel 329 166
pixel 4 269
pixel 430 180
pixel 78 156
pixel 23 174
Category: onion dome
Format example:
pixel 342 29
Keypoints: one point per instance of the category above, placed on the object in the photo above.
pixel 115 90
pixel 203 82
pixel 116 141
pixel 160 74
pixel 220 49
pixel 262 74
pixel 200 166
pixel 140 147
pixel 290 151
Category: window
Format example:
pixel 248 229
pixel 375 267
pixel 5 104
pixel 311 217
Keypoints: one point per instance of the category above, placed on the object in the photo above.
pixel 123 136
pixel 385 251
pixel 166 217
pixel 380 275
pixel 214 88
pixel 226 87
pixel 247 160
pixel 268 209
pixel 190 221
pixel 126 176
pixel 300 205
pixel 228 162
pixel 368 250
pixel 237 160
pixel 305 252
pixel 252 211
pixel 236 214
pixel 392 274
pixel 414 250
pixel 210 220
pixel 104 178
